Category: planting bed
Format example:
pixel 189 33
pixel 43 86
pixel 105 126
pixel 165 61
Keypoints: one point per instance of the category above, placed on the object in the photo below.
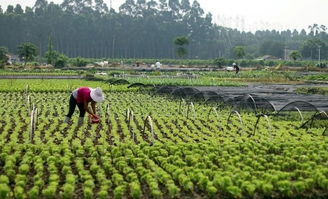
pixel 183 150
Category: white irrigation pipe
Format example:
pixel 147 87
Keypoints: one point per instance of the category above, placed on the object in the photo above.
pixel 107 114
pixel 323 112
pixel 299 111
pixel 127 115
pixel 269 123
pixel 255 107
pixel 239 116
pixel 236 112
pixel 258 121
pixel 213 109
pixel 35 118
pixel 192 108
pixel 180 104
pixel 32 126
pixel 28 105
pixel 27 88
pixel 128 118
pixel 33 123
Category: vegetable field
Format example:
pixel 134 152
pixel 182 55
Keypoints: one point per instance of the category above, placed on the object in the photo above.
pixel 153 147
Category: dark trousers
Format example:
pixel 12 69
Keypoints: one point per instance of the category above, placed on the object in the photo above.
pixel 72 105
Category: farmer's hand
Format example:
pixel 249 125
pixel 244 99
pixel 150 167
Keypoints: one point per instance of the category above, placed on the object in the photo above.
pixel 95 116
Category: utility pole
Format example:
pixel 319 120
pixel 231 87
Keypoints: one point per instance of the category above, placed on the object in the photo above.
pixel 319 53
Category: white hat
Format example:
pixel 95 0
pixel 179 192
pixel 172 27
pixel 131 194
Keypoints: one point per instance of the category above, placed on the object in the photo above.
pixel 97 95
pixel 234 64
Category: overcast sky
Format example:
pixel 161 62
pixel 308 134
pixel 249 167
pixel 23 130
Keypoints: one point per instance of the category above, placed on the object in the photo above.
pixel 247 14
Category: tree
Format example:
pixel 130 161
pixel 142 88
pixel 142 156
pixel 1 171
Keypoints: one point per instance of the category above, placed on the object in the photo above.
pixel 18 9
pixel 61 60
pixel 27 51
pixel 220 61
pixel 10 9
pixel 295 55
pixel 314 29
pixel 128 8
pixel 143 29
pixel 310 49
pixel 40 6
pixel 181 41
pixel 83 6
pixel 100 7
pixel 29 11
pixel 185 5
pixel 54 57
pixel 272 48
pixel 3 56
pixel 51 55
pixel 239 52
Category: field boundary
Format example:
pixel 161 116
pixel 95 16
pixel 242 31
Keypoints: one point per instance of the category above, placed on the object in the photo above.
pixel 41 77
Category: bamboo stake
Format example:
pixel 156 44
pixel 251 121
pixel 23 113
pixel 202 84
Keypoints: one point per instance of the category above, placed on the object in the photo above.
pixel 32 126
pixel 149 121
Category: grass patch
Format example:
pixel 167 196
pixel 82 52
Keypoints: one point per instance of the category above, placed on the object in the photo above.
pixel 313 90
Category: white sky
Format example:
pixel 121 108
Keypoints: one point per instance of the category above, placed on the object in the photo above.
pixel 247 14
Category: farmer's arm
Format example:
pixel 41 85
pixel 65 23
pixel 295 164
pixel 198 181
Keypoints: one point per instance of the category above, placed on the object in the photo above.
pixel 87 108
pixel 93 106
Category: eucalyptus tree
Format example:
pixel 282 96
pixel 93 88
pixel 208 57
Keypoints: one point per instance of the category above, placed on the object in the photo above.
pixel 174 9
pixel 310 49
pixel 185 6
pixel 295 33
pixel 100 7
pixel 18 10
pixel 40 7
pixel 141 28
pixel 51 54
pixel 270 47
pixel 74 6
pixel 128 8
pixel 10 9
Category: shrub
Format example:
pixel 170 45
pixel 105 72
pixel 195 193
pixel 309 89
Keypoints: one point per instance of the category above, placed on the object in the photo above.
pixel 79 61
pixel 219 62
pixel 61 61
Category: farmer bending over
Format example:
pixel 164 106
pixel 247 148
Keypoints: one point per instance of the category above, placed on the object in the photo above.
pixel 82 97
pixel 236 67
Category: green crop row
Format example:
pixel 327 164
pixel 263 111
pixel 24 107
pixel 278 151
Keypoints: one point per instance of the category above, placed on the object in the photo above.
pixel 179 152
pixel 191 78
pixel 228 170
pixel 52 72
pixel 50 85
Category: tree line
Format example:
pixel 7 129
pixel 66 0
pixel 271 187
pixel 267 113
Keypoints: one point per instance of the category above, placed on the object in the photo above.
pixel 146 29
